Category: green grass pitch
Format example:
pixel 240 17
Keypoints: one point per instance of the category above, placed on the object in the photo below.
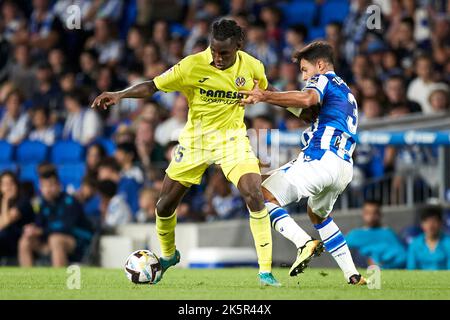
pixel 215 284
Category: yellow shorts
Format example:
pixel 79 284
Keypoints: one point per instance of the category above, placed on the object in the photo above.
pixel 235 159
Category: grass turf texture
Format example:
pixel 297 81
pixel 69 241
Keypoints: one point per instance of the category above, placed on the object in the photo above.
pixel 197 284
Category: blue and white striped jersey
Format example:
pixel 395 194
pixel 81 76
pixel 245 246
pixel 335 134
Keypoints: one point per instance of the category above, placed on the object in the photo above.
pixel 335 127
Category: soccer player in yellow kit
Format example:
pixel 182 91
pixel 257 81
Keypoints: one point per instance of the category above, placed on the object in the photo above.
pixel 215 133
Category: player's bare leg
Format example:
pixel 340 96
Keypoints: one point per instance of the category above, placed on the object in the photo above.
pixel 336 245
pixel 250 188
pixel 170 197
pixel 307 247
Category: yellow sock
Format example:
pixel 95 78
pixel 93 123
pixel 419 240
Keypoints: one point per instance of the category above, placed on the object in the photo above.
pixel 165 229
pixel 262 234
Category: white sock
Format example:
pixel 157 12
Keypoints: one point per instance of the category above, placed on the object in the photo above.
pixel 284 224
pixel 336 245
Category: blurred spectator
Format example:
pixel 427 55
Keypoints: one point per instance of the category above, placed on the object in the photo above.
pixel 151 60
pixel 147 205
pixel 222 199
pixel 94 155
pixel 82 124
pixel 170 129
pixel 57 60
pixel 20 71
pixel 109 169
pixel 439 100
pixel 109 48
pixel 44 30
pixel 115 210
pixel 90 200
pixel 395 90
pixel 258 47
pixel 15 212
pixel 370 109
pixel 12 19
pixel 431 250
pixel 271 16
pixel 380 245
pixel 100 9
pixel 420 88
pixel 149 151
pixel 89 68
pixel 295 38
pixel 42 130
pixel 60 229
pixel 48 93
pixel 126 156
pixel 200 30
pixel 403 42
pixel 14 124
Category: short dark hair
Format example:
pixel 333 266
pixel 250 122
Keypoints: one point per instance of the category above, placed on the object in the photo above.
pixel 110 163
pixel 49 174
pixel 374 202
pixel 128 148
pixel 107 188
pixel 42 109
pixel 314 51
pixel 431 211
pixel 225 28
pixel 300 29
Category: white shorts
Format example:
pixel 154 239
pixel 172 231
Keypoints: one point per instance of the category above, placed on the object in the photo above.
pixel 322 181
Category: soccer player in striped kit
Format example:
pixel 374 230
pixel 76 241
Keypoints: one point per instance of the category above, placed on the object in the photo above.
pixel 324 167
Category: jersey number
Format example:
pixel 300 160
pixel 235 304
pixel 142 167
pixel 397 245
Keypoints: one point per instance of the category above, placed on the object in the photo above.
pixel 352 121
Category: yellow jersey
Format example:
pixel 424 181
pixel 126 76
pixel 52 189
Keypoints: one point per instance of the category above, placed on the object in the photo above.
pixel 215 115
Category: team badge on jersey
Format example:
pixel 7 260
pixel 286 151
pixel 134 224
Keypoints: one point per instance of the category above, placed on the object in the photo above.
pixel 240 81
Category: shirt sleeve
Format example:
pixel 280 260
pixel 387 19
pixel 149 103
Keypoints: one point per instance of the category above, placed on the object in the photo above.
pixel 173 78
pixel 260 75
pixel 411 263
pixel 319 84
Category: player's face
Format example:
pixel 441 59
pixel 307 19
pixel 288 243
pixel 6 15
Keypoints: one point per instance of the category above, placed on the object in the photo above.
pixel 308 69
pixel 223 53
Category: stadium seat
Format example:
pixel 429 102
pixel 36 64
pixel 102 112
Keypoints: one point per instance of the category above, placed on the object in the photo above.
pixel 64 152
pixel 332 11
pixel 8 167
pixel 28 172
pixel 298 12
pixel 6 152
pixel 316 33
pixel 108 144
pixel 29 152
pixel 71 175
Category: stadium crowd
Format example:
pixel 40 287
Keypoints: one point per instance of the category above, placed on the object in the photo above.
pixel 60 158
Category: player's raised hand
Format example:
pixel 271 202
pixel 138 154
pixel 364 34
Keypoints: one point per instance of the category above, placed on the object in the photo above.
pixel 254 96
pixel 106 99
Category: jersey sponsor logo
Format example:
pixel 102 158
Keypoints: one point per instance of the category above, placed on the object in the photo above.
pixel 240 81
pixel 221 94
pixel 203 80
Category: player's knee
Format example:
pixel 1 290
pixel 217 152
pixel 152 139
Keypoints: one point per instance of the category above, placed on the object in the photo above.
pixel 252 196
pixel 165 207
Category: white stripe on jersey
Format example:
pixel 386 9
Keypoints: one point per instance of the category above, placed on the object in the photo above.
pixel 326 138
pixel 342 145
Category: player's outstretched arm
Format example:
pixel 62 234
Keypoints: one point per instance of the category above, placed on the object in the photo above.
pixel 286 99
pixel 141 90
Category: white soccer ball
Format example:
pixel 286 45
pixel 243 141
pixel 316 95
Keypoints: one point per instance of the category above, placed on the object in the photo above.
pixel 143 266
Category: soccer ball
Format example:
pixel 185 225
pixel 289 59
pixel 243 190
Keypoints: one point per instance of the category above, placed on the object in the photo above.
pixel 143 266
